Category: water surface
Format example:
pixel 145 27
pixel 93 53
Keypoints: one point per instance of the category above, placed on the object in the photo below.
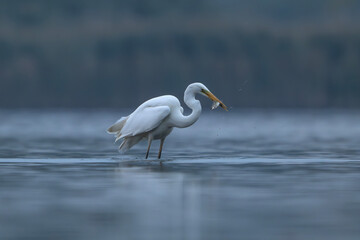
pixel 237 175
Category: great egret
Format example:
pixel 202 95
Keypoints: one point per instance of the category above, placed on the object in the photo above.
pixel 155 118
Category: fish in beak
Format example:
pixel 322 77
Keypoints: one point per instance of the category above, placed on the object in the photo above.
pixel 216 101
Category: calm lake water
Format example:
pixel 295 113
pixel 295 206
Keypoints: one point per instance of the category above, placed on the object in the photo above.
pixel 233 175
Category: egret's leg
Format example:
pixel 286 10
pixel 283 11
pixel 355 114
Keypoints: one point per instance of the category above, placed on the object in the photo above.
pixel 161 146
pixel 149 141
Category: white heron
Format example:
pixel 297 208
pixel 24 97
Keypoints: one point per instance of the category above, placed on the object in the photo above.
pixel 155 118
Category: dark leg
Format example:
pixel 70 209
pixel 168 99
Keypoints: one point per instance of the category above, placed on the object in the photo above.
pixel 161 146
pixel 149 140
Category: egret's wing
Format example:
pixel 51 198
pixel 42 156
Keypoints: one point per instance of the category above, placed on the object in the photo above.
pixel 144 120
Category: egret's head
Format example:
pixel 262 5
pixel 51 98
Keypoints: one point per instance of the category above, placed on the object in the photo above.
pixel 203 90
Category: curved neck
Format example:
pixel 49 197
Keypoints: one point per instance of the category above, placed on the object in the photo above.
pixel 194 105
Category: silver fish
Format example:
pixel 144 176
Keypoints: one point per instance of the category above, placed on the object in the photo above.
pixel 215 105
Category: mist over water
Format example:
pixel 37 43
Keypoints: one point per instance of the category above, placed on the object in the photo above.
pixel 260 174
pixel 236 134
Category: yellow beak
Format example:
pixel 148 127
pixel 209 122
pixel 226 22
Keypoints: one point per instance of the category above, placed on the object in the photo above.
pixel 214 98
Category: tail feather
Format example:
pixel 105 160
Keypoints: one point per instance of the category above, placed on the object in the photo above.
pixel 129 142
pixel 116 127
pixel 119 136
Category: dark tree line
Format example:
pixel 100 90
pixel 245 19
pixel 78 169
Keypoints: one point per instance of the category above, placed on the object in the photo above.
pixel 117 54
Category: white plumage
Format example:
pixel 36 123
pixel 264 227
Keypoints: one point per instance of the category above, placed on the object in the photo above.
pixel 155 118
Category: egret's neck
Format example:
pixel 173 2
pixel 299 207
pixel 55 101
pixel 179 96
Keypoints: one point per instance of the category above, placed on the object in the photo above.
pixel 194 105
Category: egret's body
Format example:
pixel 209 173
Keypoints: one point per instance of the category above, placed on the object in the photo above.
pixel 155 118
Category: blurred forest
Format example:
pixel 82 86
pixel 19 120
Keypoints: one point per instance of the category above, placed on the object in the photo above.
pixel 258 53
